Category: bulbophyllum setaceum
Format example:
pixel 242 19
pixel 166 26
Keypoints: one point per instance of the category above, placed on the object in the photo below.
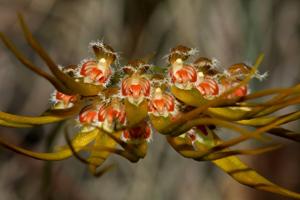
pixel 117 108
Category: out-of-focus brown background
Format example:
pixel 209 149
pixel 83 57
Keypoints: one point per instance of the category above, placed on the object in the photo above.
pixel 231 31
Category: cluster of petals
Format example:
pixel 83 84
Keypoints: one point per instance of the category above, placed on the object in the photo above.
pixel 204 76
pixel 136 86
pixel 107 116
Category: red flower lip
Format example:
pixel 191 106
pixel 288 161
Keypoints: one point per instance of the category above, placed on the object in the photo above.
pixel 65 98
pixel 240 92
pixel 87 116
pixel 135 88
pixel 62 101
pixel 208 88
pixel 111 116
pixel 183 76
pixel 161 104
pixel 138 133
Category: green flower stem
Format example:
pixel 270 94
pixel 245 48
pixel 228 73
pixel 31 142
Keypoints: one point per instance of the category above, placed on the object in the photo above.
pixel 28 120
pixel 54 156
pixel 14 125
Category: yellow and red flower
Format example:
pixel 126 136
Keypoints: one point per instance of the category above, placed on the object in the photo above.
pixel 135 88
pixel 62 101
pixel 96 72
pixel 209 88
pixel 227 84
pixel 182 76
pixel 88 116
pixel 112 116
pixel 161 103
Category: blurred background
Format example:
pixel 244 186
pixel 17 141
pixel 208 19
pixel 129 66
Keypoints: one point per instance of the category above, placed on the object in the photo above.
pixel 231 31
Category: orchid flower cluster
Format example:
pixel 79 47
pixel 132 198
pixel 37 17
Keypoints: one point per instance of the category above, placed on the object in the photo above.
pixel 117 109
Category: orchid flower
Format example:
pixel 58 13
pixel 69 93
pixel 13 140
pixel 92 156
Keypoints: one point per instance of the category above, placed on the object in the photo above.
pixel 185 103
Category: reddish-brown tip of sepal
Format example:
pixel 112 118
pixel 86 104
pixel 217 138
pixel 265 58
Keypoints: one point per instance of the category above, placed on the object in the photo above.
pixel 238 71
pixel 71 70
pixel 203 62
pixel 105 51
pixel 136 66
pixel 180 52
pixel 206 66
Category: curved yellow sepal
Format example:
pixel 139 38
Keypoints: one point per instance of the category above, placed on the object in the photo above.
pixel 135 114
pixel 190 97
pixel 84 89
pixel 230 113
pixel 141 149
pixel 245 175
pixel 98 157
pixel 260 121
pixel 159 123
pixel 14 125
pixel 29 120
pixel 80 139
pixel 53 156
pixel 67 112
